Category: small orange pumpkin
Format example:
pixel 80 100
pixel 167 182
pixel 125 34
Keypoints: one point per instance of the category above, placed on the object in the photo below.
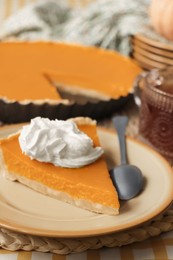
pixel 161 16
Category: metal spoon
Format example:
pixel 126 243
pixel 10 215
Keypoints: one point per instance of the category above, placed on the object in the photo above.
pixel 127 178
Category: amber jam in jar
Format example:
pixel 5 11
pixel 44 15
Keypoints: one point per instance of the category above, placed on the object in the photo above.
pixel 156 111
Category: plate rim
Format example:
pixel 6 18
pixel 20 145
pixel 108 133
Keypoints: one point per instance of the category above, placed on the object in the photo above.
pixel 158 51
pixel 153 42
pixel 140 57
pixel 153 57
pixel 101 231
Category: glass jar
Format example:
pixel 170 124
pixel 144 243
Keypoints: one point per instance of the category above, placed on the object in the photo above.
pixel 156 110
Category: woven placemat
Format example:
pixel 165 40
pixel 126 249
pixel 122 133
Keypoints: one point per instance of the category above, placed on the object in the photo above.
pixel 164 222
pixel 15 241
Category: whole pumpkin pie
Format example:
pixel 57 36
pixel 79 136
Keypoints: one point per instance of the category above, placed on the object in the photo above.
pixel 58 80
pixel 89 187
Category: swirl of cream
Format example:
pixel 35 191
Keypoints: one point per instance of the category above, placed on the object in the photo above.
pixel 58 142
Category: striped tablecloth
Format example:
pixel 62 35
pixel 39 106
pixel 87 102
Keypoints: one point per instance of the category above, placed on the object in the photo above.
pixel 159 248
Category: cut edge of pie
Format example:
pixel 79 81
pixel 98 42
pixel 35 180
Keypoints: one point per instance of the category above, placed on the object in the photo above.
pixel 62 196
pixel 110 208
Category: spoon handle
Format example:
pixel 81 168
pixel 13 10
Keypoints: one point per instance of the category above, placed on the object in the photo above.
pixel 120 123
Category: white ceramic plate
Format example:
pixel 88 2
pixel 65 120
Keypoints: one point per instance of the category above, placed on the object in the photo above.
pixel 24 210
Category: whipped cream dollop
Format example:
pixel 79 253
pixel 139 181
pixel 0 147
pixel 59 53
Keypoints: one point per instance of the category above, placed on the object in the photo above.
pixel 58 142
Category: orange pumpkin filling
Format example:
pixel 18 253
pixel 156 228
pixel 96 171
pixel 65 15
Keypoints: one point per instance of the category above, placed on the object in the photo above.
pixel 26 67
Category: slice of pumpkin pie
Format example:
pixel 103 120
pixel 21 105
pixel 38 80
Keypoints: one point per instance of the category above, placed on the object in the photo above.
pixel 61 159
